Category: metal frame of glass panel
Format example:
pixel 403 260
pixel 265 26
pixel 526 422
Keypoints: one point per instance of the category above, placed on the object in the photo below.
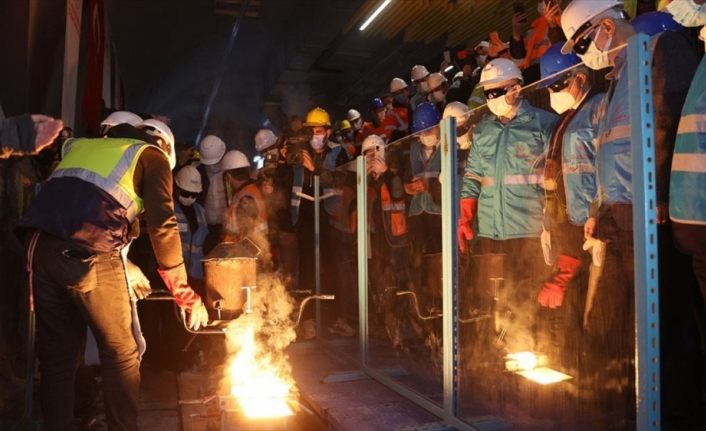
pixel 646 254
pixel 645 250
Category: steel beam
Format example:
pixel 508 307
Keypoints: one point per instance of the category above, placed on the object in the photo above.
pixel 362 232
pixel 449 247
pixel 646 255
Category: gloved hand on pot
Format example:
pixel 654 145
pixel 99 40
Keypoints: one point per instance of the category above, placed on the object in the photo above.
pixel 184 296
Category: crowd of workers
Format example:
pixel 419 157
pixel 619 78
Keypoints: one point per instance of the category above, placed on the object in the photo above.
pixel 551 192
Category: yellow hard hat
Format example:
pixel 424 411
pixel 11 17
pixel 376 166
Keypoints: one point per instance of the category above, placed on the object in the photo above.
pixel 345 125
pixel 317 117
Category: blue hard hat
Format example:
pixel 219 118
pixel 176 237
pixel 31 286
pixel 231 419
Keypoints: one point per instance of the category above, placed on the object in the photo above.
pixel 651 23
pixel 376 103
pixel 553 62
pixel 424 117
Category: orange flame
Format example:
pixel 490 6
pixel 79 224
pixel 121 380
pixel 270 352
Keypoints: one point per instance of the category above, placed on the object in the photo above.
pixel 257 384
pixel 259 375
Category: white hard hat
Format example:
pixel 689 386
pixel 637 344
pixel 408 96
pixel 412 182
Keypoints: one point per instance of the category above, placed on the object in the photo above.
pixel 397 84
pixel 162 131
pixel 457 110
pixel 482 44
pixel 499 70
pixel 121 117
pixel 419 73
pixel 376 143
pixel 458 75
pixel 234 159
pixel 264 139
pixel 435 81
pixel 352 115
pixel 188 178
pixel 211 149
pixel 579 16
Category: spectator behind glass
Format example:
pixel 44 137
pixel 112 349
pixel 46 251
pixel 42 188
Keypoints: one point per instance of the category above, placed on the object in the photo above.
pixel 544 30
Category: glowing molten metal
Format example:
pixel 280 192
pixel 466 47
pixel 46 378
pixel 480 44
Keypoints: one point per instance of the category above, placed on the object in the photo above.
pixel 261 388
pixel 526 364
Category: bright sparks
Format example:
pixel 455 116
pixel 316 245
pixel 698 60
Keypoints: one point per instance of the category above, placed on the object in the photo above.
pixel 260 387
pixel 527 365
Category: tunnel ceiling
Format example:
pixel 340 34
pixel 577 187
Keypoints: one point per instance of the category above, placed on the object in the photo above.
pixel 290 55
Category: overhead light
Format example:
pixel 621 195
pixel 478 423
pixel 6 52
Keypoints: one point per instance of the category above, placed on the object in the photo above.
pixel 375 14
pixel 448 68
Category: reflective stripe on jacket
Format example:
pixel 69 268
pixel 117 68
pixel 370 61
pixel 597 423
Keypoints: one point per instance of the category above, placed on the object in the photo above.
pixel 192 242
pixel 578 161
pixel 112 172
pixel 505 173
pixel 687 188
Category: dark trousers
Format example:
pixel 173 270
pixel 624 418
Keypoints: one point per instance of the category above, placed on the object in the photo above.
pixel 73 290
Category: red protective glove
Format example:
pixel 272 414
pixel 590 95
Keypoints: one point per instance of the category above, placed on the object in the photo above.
pixel 176 282
pixel 469 208
pixel 552 294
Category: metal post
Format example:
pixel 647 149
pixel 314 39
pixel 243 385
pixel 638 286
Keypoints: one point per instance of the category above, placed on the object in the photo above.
pixel 362 232
pixel 645 233
pixel 449 220
pixel 317 247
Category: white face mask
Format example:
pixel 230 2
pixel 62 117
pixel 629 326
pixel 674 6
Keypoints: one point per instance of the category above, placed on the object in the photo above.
pixel 562 101
pixel 688 13
pixel 214 169
pixel 357 124
pixel 187 202
pixel 464 142
pixel 595 58
pixel 428 140
pixel 541 8
pixel 499 106
pixel 438 96
pixel 317 142
pixel 424 87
